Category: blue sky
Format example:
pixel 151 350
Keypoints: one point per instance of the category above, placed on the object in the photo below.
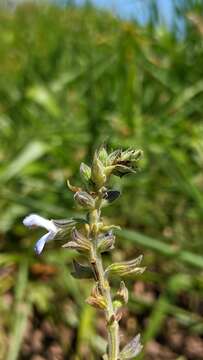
pixel 135 8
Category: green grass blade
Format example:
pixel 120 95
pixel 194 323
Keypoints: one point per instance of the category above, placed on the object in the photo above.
pixel 21 313
pixel 30 153
pixel 162 248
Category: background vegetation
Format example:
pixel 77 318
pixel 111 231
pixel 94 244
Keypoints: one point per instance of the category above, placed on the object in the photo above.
pixel 71 79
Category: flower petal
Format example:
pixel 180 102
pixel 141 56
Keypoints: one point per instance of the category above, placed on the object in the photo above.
pixel 39 246
pixel 34 220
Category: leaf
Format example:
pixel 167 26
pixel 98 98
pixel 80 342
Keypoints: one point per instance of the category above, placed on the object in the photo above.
pixel 85 331
pixel 43 96
pixel 162 248
pixel 29 154
pixel 21 313
pixel 157 317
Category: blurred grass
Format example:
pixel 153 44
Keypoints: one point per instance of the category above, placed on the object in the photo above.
pixel 71 79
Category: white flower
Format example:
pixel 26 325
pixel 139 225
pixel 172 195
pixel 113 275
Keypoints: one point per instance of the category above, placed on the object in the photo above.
pixel 35 220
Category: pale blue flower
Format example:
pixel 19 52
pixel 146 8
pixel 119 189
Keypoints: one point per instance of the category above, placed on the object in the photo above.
pixel 35 220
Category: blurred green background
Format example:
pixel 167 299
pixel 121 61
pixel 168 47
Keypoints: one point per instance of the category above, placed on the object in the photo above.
pixel 70 79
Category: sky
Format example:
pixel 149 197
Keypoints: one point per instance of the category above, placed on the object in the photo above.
pixel 135 8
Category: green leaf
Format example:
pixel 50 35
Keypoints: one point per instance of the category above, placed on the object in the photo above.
pixel 163 249
pixel 21 313
pixel 43 96
pixel 29 154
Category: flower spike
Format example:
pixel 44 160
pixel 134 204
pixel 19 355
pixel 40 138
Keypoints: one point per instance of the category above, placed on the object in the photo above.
pixel 91 237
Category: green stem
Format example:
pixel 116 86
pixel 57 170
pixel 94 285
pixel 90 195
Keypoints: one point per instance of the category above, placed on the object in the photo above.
pixel 96 262
pixel 112 324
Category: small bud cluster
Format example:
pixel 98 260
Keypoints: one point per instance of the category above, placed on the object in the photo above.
pixel 90 237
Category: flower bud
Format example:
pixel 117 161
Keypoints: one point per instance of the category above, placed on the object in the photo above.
pixel 114 156
pixel 84 199
pixel 98 175
pixel 79 242
pixel 137 155
pixel 103 155
pixel 96 299
pixel 125 268
pixel 85 172
pixel 106 242
pixel 131 155
pixel 121 163
pixel 121 170
pixel 66 226
pixel 132 349
pixel 122 294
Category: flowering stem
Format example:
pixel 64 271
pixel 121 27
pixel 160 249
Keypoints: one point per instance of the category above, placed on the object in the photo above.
pixel 97 266
pixel 90 237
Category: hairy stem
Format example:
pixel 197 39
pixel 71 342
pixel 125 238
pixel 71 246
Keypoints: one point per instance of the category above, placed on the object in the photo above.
pixel 97 265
